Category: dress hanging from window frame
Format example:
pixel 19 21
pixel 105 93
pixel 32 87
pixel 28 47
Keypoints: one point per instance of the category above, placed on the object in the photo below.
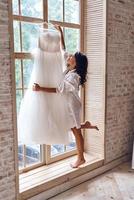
pixel 44 117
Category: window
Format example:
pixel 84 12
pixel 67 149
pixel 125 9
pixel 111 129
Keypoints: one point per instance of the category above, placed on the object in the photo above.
pixel 26 15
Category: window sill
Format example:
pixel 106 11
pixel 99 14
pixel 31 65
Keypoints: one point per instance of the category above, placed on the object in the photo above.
pixel 43 178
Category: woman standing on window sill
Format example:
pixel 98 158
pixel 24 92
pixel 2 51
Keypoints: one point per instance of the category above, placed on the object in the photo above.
pixel 74 76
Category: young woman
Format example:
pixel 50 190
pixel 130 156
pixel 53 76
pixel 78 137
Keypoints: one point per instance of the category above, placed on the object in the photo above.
pixel 73 76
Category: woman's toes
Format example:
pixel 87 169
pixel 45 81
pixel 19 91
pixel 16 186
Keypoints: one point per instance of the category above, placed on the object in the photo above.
pixel 77 163
pixel 72 165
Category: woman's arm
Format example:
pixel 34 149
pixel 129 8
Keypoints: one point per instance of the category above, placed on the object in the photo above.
pixel 61 34
pixel 37 87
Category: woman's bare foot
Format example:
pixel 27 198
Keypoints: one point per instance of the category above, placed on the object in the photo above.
pixel 89 125
pixel 78 163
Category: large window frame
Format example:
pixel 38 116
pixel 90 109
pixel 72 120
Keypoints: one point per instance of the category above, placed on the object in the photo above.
pixel 46 149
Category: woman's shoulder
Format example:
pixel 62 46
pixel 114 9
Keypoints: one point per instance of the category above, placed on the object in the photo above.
pixel 75 74
pixel 65 71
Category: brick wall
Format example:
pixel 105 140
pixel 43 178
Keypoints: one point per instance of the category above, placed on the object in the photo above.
pixel 7 155
pixel 120 78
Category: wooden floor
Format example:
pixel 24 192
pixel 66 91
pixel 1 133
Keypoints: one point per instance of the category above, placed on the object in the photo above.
pixel 117 184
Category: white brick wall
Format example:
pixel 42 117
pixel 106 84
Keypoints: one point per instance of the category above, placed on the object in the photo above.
pixel 120 78
pixel 7 155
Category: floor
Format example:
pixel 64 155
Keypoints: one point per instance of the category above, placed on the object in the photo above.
pixel 117 184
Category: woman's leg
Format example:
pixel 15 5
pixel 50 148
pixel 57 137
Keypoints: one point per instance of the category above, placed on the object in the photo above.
pixel 88 125
pixel 80 147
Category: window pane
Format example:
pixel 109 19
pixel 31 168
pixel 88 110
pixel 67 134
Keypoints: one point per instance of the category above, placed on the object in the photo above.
pixel 29 36
pixel 27 70
pixel 20 156
pixel 57 149
pixel 32 154
pixel 72 38
pixel 18 99
pixel 55 10
pixel 15 7
pixel 16 36
pixel 72 11
pixel 32 8
pixel 18 73
pixel 72 145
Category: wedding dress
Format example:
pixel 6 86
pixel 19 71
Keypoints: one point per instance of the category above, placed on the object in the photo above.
pixel 43 117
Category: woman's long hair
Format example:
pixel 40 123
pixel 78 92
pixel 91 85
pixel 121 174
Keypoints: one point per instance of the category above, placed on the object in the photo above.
pixel 81 66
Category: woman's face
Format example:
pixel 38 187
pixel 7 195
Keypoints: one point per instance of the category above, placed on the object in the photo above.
pixel 71 62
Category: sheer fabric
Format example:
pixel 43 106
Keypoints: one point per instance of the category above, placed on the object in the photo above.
pixel 44 117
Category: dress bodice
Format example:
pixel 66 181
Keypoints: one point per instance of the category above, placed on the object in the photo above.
pixel 49 41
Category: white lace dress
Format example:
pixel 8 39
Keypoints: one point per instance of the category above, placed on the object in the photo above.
pixel 44 117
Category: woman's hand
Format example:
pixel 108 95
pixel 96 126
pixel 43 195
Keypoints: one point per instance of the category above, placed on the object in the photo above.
pixel 36 87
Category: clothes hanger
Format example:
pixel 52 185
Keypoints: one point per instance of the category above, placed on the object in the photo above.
pixel 48 25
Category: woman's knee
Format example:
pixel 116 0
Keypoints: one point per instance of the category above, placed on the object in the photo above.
pixel 72 129
pixel 76 131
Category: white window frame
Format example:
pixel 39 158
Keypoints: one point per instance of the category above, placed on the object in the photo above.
pixel 45 149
